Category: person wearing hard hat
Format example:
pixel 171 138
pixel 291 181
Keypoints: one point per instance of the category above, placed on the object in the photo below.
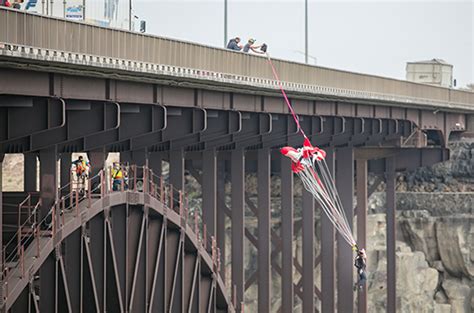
pixel 117 177
pixel 250 46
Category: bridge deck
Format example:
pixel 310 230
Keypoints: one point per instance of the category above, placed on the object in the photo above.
pixel 79 44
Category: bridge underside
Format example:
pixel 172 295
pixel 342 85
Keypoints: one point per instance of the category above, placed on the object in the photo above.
pixel 219 138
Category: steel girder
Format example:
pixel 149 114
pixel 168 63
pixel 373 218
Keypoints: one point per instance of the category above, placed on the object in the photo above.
pixel 125 253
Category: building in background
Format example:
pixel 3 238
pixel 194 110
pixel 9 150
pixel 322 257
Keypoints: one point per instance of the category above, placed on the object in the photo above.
pixel 435 72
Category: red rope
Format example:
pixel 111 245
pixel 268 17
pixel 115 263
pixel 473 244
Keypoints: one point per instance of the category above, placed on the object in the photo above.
pixel 290 107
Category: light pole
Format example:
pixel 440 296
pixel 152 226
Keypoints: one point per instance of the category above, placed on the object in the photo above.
pixel 306 31
pixel 130 15
pixel 225 23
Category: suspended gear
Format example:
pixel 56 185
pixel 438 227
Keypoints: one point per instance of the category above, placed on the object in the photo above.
pixel 309 163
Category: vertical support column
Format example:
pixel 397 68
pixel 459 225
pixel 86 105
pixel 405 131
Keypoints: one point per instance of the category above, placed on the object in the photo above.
pixel 345 187
pixel 177 168
pixel 328 260
pixel 361 174
pixel 238 218
pixel 97 160
pixel 221 172
pixel 264 228
pixel 308 252
pixel 29 172
pixel 287 234
pixel 1 220
pixel 48 179
pixel 209 190
pixel 155 160
pixel 65 171
pixel 391 234
pixel 139 157
pixel 48 194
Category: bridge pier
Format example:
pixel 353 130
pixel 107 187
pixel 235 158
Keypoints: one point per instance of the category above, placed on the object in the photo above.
pixel 390 176
pixel 308 252
pixel 48 194
pixel 209 190
pixel 1 228
pixel 155 161
pixel 65 171
pixel 29 172
pixel 345 186
pixel 238 219
pixel 264 230
pixel 176 158
pixel 97 160
pixel 361 191
pixel 221 216
pixel 48 179
pixel 287 232
pixel 328 256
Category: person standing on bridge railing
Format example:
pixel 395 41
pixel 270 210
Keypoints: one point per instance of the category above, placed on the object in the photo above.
pixel 250 46
pixel 234 44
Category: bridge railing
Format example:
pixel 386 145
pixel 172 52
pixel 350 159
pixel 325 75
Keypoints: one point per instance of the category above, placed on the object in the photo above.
pixel 140 179
pixel 44 32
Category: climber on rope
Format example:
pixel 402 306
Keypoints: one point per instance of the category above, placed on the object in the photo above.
pixel 360 262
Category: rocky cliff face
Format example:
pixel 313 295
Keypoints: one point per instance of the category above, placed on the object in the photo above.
pixel 435 254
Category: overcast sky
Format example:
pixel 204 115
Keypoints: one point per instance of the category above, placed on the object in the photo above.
pixel 375 37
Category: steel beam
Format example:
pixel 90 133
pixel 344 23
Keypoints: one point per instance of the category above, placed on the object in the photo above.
pixel 308 252
pixel 48 179
pixel 155 160
pixel 97 160
pixel 345 187
pixel 328 237
pixel 209 190
pixel 391 234
pixel 221 215
pixel 29 172
pixel 65 171
pixel 177 170
pixel 264 228
pixel 1 220
pixel 361 174
pixel 238 218
pixel 287 290
pixel 48 280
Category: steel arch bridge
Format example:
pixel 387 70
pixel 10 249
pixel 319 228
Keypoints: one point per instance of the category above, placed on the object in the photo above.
pixel 140 250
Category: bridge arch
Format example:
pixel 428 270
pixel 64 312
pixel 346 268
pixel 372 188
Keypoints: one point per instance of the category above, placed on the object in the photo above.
pixel 138 251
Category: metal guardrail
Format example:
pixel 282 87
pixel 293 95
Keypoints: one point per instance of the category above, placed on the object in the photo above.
pixel 58 40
